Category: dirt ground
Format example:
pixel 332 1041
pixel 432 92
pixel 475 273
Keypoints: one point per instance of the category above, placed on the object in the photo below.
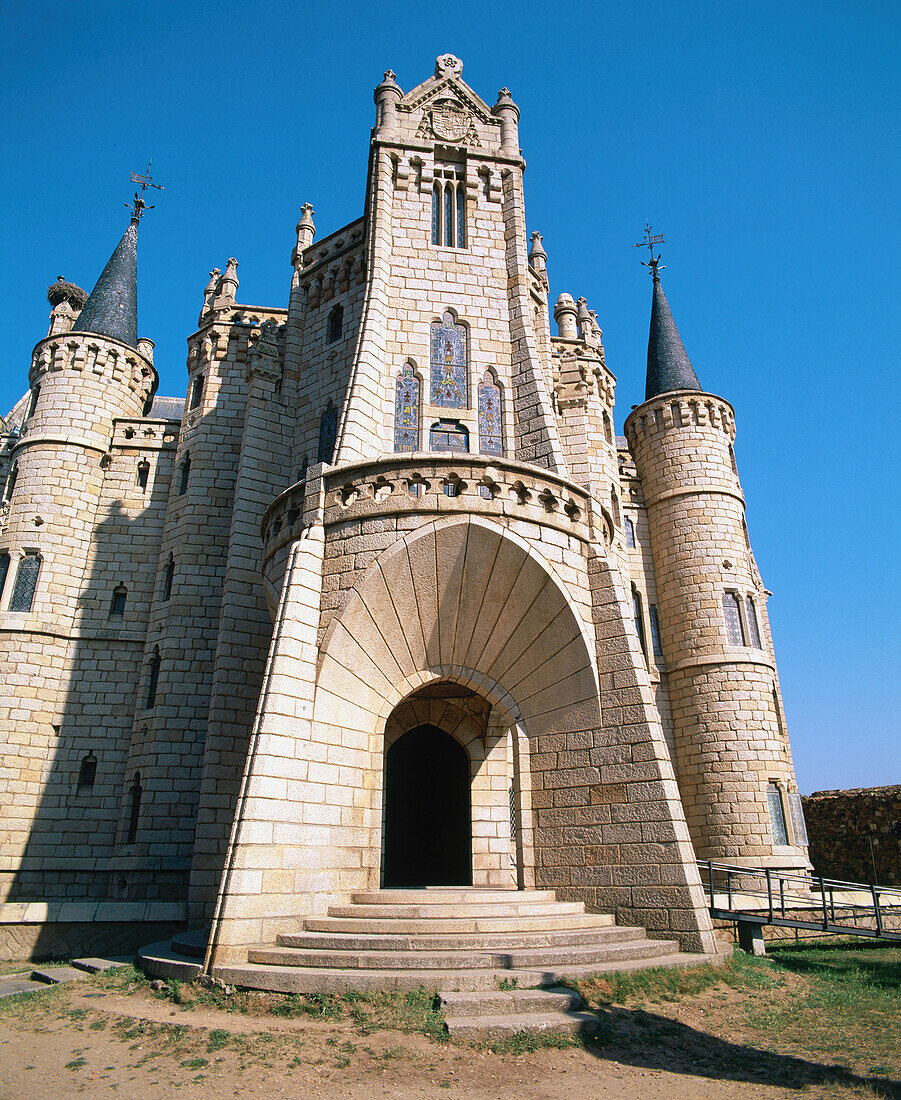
pixel 102 1044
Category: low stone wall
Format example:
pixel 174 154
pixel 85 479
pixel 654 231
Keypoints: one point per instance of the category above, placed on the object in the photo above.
pixel 856 833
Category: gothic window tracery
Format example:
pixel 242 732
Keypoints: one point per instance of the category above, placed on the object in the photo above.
pixel 449 359
pixel 491 435
pixel 26 583
pixel 735 631
pixel 449 211
pixel 406 411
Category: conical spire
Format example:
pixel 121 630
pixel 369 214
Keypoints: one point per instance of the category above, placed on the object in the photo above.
pixel 669 367
pixel 112 308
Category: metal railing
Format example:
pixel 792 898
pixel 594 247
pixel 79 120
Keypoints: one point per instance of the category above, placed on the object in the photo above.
pixel 766 895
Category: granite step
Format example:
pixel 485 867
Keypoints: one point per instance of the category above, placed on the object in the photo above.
pixel 461 925
pixel 437 895
pixel 11 986
pixel 487 1029
pixel 52 975
pixel 487 941
pixel 505 1002
pixel 463 910
pixel 192 943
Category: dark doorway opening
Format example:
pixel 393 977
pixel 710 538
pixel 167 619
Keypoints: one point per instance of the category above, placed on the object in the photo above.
pixel 428 826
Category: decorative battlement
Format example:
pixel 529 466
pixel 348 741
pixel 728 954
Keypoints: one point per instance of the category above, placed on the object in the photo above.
pixel 100 356
pixel 679 410
pixel 439 485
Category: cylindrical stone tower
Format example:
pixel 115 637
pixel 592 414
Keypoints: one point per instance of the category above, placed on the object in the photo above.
pixel 732 754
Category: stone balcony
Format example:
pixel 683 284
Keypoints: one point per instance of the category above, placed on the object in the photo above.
pixel 434 485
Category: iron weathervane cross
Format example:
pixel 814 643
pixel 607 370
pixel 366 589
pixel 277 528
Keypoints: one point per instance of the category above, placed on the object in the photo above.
pixel 649 242
pixel 138 206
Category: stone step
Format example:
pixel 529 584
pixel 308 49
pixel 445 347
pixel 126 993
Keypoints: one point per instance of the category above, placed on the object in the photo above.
pixel 437 895
pixel 54 974
pixel 508 1002
pixel 470 909
pixel 12 985
pixel 485 1029
pixel 460 925
pixel 158 960
pixel 98 966
pixel 487 941
pixel 192 943
pixel 559 958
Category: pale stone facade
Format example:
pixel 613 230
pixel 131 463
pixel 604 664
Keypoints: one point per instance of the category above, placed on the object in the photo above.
pixel 395 506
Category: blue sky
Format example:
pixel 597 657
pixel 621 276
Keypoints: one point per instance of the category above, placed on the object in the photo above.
pixel 762 139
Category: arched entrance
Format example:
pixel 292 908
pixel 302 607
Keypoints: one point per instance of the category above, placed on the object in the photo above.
pixel 428 824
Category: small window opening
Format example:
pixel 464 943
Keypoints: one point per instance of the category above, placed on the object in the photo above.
pixel 153 678
pixel 26 583
pixel 614 507
pixel 196 393
pixel 449 209
pixel 753 625
pixel 335 324
pixel 655 631
pixel 328 434
pixel 143 474
pixel 777 813
pixel 630 532
pixel 4 568
pixel 134 812
pixel 87 773
pixel 168 575
pixel 35 394
pixel 639 619
pixel 185 476
pixel 449 435
pixel 11 483
pixel 608 427
pixel 117 603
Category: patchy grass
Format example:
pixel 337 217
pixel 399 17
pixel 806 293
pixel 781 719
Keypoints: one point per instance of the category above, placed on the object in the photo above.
pixel 522 1042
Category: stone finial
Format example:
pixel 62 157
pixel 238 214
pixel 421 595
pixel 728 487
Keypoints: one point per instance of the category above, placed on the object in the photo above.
pixel 226 286
pixel 306 231
pixel 565 313
pixel 448 65
pixel 583 317
pixel 594 323
pixel 508 113
pixel 537 254
pixel 209 294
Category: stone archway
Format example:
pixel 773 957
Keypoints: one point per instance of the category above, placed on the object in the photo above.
pixel 428 823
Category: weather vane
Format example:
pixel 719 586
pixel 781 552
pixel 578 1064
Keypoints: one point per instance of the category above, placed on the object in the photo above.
pixel 649 242
pixel 138 206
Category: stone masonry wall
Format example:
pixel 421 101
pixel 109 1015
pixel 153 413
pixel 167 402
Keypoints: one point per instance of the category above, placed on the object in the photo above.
pixel 855 835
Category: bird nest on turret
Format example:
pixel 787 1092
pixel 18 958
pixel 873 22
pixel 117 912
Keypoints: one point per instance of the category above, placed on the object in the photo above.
pixel 61 291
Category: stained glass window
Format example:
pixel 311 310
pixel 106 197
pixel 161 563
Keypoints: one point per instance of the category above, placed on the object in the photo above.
pixel 491 441
pixel 26 583
pixel 406 412
pixel 732 613
pixel 328 434
pixel 753 628
pixel 436 213
pixel 448 435
pixel 449 362
pixel 777 814
pixel 655 631
pixel 461 217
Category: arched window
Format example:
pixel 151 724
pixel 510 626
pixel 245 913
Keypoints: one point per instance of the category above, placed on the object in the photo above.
pixel 655 631
pixel 153 677
pixel 608 427
pixel 753 626
pixel 185 476
pixel 328 434
pixel 196 399
pixel 335 324
pixel 639 619
pixel 26 583
pixel 735 631
pixel 87 773
pixel 168 575
pixel 777 813
pixel 629 528
pixel 35 394
pixel 406 411
pixel 143 474
pixel 449 364
pixel 134 809
pixel 11 482
pixel 449 211
pixel 449 435
pixel 614 507
pixel 117 603
pixel 491 432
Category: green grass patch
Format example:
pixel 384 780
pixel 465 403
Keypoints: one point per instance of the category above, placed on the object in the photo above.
pixel 523 1042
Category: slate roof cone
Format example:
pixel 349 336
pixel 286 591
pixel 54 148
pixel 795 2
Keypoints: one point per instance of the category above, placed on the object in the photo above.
pixel 112 308
pixel 669 367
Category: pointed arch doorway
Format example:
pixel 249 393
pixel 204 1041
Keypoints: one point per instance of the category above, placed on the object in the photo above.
pixel 428 820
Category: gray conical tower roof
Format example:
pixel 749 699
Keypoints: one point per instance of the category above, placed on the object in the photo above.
pixel 669 367
pixel 112 308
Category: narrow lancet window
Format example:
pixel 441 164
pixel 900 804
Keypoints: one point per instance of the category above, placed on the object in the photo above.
pixel 134 809
pixel 4 568
pixel 143 474
pixel 461 216
pixel 168 576
pixel 629 528
pixel 153 678
pixel 117 603
pixel 406 412
pixel 196 393
pixel 655 631
pixel 185 476
pixel 87 773
pixel 335 324
pixel 328 433
pixel 11 483
pixel 26 583
pixel 753 626
pixel 639 619
pixel 614 507
pixel 436 213
pixel 449 364
pixel 777 813
pixel 491 439
pixel 735 632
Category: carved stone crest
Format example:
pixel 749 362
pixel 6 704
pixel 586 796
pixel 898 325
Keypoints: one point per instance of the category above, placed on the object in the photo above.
pixel 449 120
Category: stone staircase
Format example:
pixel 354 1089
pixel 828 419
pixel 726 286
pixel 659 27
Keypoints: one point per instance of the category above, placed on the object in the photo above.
pixel 445 938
